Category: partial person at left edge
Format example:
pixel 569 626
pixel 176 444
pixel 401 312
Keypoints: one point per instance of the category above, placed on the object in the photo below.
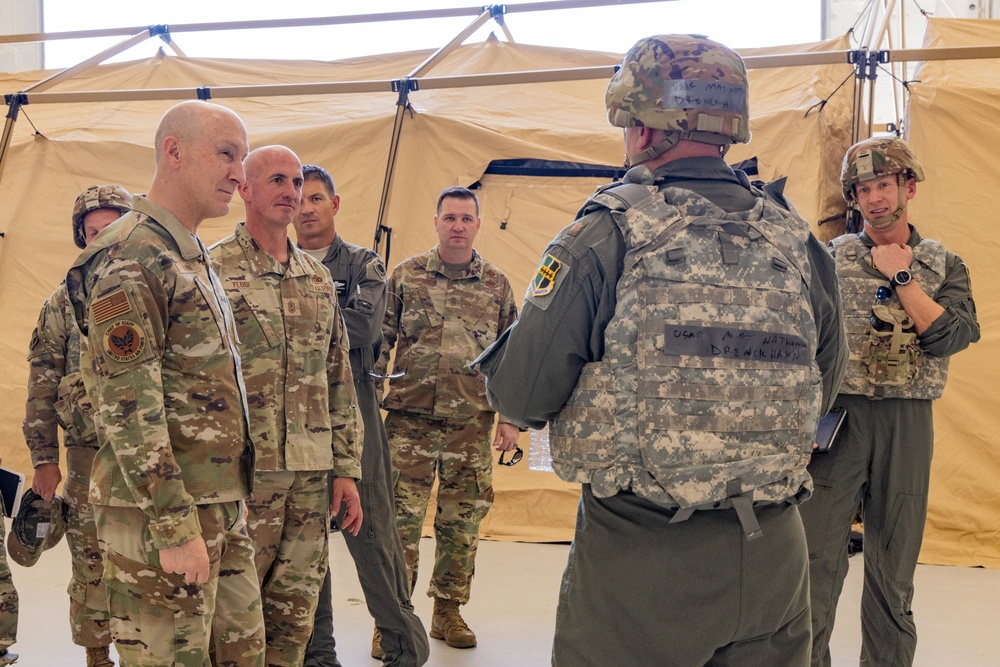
pixel 57 399
pixel 162 366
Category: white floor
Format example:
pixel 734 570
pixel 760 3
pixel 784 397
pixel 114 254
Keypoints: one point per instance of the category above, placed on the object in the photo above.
pixel 513 611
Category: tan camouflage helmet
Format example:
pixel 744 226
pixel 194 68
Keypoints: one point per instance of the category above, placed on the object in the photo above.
pixel 876 157
pixel 93 198
pixel 688 85
pixel 38 526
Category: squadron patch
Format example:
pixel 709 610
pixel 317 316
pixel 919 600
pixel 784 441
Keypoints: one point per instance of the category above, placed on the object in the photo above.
pixel 123 341
pixel 545 278
pixel 110 306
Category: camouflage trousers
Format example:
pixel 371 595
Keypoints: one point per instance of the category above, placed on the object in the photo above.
pixel 88 600
pixel 8 597
pixel 158 620
pixel 289 523
pixel 457 452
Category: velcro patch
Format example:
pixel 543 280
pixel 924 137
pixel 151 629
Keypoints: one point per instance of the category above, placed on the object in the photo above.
pixel 317 284
pixel 123 341
pixel 545 278
pixel 110 306
pixel 375 270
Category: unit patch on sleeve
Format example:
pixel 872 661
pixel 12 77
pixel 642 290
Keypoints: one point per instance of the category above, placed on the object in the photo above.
pixel 123 341
pixel 545 278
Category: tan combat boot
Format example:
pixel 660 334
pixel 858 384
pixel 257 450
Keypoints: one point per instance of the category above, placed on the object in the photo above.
pixel 447 624
pixel 99 656
pixel 8 658
pixel 377 651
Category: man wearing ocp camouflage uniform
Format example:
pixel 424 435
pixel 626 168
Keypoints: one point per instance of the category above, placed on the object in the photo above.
pixel 175 462
pixel 57 398
pixel 907 307
pixel 445 306
pixel 681 339
pixel 304 415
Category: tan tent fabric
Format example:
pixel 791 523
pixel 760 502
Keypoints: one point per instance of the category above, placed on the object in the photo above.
pixel 448 137
pixel 954 132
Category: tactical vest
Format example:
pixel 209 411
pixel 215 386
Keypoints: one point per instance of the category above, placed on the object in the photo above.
pixel 709 386
pixel 858 285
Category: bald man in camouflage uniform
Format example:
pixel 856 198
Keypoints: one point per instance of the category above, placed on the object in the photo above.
pixel 303 409
pixel 908 308
pixel 681 339
pixel 175 462
pixel 445 306
pixel 57 398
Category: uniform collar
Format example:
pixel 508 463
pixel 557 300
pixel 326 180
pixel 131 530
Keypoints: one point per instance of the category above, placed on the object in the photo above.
pixel 913 241
pixel 474 270
pixel 334 247
pixel 260 263
pixel 188 244
pixel 688 168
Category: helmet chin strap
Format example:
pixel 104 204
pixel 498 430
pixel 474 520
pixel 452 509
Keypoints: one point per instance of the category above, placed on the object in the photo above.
pixel 889 219
pixel 670 139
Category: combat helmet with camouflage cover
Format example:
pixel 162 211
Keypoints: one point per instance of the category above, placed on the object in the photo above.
pixel 876 157
pixel 93 198
pixel 38 526
pixel 688 85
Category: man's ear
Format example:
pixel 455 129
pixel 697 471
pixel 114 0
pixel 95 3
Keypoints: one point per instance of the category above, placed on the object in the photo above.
pixel 172 151
pixel 335 204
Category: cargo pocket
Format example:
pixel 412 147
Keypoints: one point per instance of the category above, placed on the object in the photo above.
pixel 156 618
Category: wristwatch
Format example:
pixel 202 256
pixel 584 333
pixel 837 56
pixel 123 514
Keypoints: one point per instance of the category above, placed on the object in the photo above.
pixel 901 278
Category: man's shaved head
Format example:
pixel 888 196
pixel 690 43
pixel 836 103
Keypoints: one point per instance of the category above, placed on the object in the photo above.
pixel 187 120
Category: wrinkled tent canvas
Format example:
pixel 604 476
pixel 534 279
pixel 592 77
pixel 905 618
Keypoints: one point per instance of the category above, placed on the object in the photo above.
pixel 448 137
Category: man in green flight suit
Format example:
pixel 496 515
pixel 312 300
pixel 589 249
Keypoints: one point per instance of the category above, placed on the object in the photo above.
pixel 680 339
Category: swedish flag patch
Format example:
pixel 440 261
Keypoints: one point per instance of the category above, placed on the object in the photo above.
pixel 545 278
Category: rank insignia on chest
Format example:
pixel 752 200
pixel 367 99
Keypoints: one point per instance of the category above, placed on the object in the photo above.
pixel 545 278
pixel 123 341
pixel 292 307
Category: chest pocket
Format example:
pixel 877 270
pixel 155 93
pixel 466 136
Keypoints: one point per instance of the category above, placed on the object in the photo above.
pixel 256 331
pixel 197 334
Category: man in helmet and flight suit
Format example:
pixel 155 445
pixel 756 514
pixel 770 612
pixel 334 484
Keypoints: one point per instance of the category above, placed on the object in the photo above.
pixel 57 398
pixel 681 339
pixel 907 308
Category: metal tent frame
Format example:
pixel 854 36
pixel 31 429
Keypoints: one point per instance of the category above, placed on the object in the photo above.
pixel 866 60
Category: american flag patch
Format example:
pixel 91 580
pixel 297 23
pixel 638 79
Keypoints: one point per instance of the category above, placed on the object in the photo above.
pixel 110 306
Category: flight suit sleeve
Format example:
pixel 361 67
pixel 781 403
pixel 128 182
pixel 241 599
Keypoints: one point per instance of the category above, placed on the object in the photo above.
pixel 127 319
pixel 345 417
pixel 46 368
pixel 363 314
pixel 957 327
pixel 533 367
pixel 831 350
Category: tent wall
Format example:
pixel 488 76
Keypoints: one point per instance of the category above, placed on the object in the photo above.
pixel 952 129
pixel 448 137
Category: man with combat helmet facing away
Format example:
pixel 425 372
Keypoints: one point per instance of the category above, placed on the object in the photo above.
pixel 907 308
pixel 57 398
pixel 681 339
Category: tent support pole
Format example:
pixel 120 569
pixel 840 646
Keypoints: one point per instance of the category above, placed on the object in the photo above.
pixel 15 101
pixel 403 87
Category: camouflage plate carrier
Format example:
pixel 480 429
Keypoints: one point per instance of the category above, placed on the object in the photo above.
pixel 889 363
pixel 709 392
